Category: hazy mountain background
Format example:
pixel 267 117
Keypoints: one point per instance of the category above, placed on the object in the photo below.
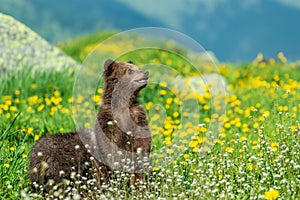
pixel 234 30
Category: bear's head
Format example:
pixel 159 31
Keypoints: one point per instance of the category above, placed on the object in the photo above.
pixel 124 78
pixel 126 72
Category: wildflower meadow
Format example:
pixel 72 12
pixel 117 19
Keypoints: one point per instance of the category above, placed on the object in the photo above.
pixel 256 154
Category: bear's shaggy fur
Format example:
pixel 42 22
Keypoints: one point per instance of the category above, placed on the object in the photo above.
pixel 122 122
pixel 53 159
pixel 122 136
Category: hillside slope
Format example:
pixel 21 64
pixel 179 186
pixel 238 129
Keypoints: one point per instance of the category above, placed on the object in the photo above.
pixel 21 47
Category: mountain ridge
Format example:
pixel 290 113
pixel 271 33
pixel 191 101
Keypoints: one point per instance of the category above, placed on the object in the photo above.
pixel 235 31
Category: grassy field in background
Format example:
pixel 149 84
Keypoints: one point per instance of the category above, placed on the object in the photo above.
pixel 256 155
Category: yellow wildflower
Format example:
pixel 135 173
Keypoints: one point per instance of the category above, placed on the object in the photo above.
pixel 155 168
pixel 220 176
pixel 7 115
pixel 41 107
pixel 36 137
pixel 271 194
pixel 186 156
pixel 255 125
pixel 17 92
pixel 195 150
pixel 13 108
pixel 250 167
pixel 56 93
pixel 97 98
pixel 70 70
pixel 33 85
pixel 175 114
pixel 162 92
pixel 33 100
pixel 163 84
pixel 56 100
pixel 5 107
pixel 5 98
pixel 29 131
pixel 229 149
pixel 100 90
pixel 70 100
pixel 168 141
pixel 193 143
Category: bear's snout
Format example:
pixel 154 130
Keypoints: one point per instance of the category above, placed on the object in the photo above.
pixel 146 73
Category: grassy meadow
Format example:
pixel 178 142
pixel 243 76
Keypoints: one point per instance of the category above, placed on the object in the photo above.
pixel 255 156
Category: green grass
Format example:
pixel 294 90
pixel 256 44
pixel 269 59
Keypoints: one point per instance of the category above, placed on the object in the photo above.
pixel 257 150
pixel 22 123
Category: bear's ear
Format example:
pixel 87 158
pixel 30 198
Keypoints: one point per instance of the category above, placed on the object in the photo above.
pixel 130 62
pixel 108 63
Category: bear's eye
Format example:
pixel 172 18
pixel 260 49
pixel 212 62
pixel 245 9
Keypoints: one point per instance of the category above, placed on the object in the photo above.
pixel 130 71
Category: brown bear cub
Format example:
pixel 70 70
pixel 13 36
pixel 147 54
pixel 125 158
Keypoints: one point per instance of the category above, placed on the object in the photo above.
pixel 121 140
